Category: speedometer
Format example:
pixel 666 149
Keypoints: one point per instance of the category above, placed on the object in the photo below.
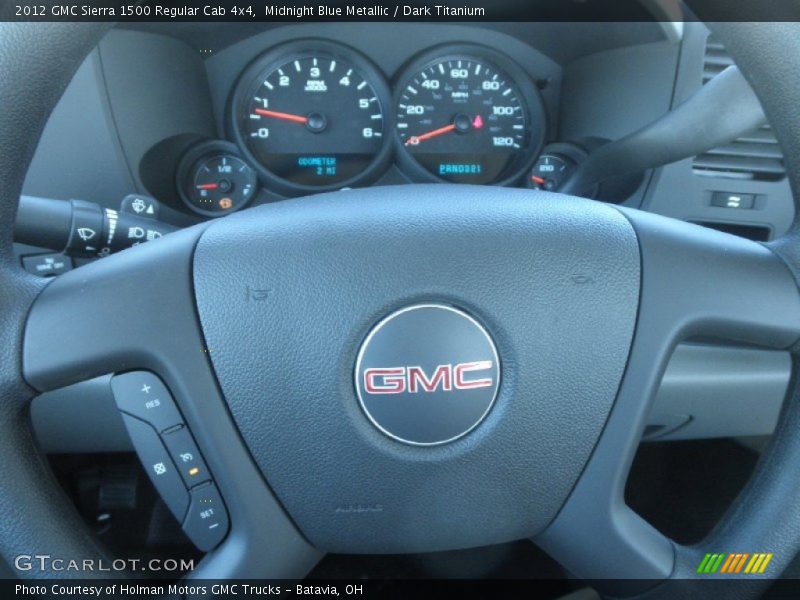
pixel 469 116
pixel 310 117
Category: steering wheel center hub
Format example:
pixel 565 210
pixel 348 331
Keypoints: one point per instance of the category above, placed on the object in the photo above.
pixel 478 399
pixel 427 374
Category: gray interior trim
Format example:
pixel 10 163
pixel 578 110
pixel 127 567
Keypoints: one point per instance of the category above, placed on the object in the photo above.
pixel 707 392
pixel 714 392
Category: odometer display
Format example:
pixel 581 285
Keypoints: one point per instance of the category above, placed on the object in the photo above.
pixel 311 120
pixel 462 119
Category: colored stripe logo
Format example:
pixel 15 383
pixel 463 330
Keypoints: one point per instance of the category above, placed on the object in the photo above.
pixel 734 563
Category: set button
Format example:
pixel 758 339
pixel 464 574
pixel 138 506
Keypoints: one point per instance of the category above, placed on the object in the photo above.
pixel 207 520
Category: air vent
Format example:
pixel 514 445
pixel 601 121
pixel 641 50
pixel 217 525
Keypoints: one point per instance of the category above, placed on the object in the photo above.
pixel 756 155
pixel 717 60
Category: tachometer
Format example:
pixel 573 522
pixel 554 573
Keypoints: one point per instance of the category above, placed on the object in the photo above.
pixel 310 116
pixel 468 119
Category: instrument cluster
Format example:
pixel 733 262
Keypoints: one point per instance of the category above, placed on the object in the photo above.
pixel 312 115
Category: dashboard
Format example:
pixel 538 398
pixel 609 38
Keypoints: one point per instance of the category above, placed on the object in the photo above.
pixel 213 118
pixel 208 118
pixel 312 108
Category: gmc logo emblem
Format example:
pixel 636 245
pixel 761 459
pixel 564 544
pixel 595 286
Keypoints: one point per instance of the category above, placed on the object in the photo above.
pixel 398 380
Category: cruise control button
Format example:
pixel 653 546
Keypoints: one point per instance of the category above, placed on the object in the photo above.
pixel 207 520
pixel 143 395
pixel 158 465
pixel 186 456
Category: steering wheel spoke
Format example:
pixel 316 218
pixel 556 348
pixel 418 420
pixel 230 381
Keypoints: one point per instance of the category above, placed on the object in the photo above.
pixel 136 311
pixel 696 284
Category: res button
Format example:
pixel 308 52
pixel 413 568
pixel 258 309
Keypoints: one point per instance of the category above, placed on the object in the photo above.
pixel 143 395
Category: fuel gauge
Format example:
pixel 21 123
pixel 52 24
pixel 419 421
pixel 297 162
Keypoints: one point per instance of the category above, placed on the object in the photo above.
pixel 216 182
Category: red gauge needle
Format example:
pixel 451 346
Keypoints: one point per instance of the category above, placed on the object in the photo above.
pixel 208 186
pixel 539 180
pixel 416 139
pixel 281 115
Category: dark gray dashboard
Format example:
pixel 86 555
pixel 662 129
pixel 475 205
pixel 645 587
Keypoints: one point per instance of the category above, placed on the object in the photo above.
pixel 159 95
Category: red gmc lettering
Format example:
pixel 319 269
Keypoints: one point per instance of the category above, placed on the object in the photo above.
pixel 417 376
pixel 385 381
pixel 397 380
pixel 469 384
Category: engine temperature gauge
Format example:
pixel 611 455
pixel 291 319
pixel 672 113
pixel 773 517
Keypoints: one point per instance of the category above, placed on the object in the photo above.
pixel 216 182
pixel 550 171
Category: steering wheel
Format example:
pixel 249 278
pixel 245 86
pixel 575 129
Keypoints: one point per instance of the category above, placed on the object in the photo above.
pixel 551 318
